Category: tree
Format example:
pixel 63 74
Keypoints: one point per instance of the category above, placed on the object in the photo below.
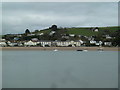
pixel 117 38
pixel 106 32
pixel 27 31
pixel 54 27
pixel 99 37
pixel 36 31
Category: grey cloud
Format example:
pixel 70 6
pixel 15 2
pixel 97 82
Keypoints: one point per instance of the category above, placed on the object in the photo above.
pixel 19 16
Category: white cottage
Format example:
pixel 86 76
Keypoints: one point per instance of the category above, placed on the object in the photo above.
pixel 30 43
pixel 96 29
pixel 107 43
pixel 3 44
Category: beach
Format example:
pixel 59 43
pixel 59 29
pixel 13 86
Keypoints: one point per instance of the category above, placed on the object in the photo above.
pixel 62 48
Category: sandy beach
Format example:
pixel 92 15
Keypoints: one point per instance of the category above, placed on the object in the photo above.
pixel 61 48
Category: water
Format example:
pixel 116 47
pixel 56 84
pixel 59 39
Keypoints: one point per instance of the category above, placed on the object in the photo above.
pixel 61 69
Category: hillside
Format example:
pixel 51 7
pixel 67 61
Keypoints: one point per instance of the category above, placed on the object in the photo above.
pixel 83 30
pixel 104 34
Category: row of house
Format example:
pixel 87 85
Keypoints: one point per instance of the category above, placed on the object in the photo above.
pixel 43 43
pixel 53 43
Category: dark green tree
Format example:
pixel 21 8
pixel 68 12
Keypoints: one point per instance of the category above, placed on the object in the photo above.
pixel 116 41
pixel 27 31
pixel 36 31
pixel 54 27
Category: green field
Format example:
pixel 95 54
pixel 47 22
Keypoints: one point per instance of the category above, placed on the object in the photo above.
pixel 81 31
pixel 88 32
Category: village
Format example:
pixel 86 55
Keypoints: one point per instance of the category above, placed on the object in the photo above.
pixel 55 38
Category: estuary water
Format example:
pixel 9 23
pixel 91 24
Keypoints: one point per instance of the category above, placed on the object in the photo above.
pixel 61 69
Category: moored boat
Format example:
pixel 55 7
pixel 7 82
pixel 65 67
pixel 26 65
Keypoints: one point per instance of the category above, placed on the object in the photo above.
pixel 79 50
pixel 55 50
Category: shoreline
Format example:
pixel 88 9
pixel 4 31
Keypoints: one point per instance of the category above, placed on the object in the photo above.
pixel 61 48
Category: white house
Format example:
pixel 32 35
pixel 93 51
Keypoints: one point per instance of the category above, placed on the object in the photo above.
pixel 41 34
pixel 44 43
pixel 3 44
pixel 81 41
pixel 30 43
pixel 3 40
pixel 100 42
pixel 96 29
pixel 108 37
pixel 92 42
pixel 52 32
pixel 63 43
pixel 34 39
pixel 60 43
pixel 12 44
pixel 72 35
pixel 30 34
pixel 97 43
pixel 75 43
pixel 66 37
pixel 108 43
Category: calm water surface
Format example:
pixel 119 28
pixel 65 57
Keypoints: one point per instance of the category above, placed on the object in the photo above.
pixel 61 69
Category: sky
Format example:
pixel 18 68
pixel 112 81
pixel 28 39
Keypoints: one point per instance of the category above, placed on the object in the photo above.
pixel 19 16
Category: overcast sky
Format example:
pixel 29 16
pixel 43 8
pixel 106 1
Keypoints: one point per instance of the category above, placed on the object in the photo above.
pixel 16 17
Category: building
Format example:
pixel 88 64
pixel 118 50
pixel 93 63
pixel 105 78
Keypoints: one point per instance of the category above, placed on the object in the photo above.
pixel 30 43
pixel 96 29
pixel 60 43
pixel 3 44
pixel 108 43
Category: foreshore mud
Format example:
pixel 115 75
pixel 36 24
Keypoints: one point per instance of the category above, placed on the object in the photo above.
pixel 62 48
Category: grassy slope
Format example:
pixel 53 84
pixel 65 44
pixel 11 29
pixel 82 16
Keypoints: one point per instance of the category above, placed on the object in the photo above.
pixel 88 32
pixel 42 31
pixel 83 31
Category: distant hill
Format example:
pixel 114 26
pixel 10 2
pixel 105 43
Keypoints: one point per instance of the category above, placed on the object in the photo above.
pixel 85 31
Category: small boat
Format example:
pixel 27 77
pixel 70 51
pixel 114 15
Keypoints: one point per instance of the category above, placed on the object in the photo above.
pixel 79 50
pixel 85 50
pixel 82 50
pixel 100 49
pixel 55 50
